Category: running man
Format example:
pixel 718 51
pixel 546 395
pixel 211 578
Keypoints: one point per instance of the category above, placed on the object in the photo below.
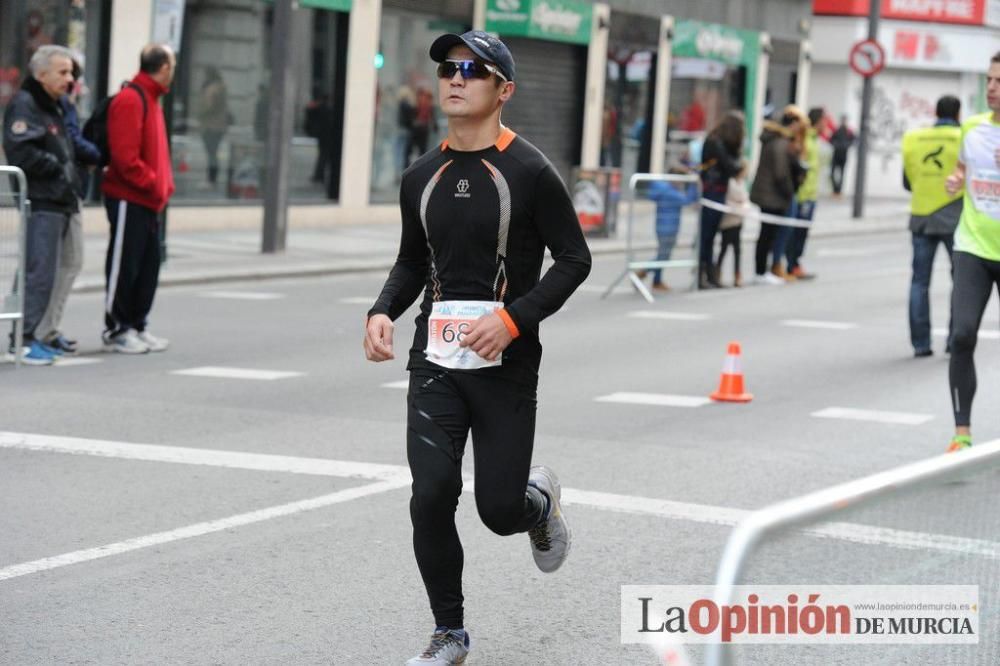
pixel 976 258
pixel 478 212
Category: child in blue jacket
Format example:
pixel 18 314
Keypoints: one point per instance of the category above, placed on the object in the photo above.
pixel 670 198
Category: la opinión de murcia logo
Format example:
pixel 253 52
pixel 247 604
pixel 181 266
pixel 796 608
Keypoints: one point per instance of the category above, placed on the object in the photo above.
pixel 733 622
pixel 813 614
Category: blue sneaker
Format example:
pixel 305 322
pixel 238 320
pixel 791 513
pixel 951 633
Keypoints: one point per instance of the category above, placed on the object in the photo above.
pixel 448 647
pixel 33 354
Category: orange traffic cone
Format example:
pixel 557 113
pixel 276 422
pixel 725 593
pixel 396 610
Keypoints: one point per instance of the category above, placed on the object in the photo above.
pixel 731 383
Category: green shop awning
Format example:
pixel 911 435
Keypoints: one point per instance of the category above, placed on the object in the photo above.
pixel 335 5
pixel 556 20
pixel 733 46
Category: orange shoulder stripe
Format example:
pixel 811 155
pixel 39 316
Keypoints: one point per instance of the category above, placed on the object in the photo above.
pixel 507 137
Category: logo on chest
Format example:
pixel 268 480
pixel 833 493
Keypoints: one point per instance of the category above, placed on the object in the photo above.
pixel 462 189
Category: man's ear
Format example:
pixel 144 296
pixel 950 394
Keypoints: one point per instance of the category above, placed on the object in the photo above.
pixel 507 91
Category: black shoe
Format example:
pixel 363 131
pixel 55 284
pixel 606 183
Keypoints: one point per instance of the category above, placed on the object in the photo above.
pixel 923 353
pixel 62 343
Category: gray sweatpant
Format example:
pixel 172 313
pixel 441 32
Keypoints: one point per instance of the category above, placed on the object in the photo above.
pixel 69 266
pixel 45 232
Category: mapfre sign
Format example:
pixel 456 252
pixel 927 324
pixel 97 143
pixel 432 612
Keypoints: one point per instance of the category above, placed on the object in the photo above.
pixel 967 12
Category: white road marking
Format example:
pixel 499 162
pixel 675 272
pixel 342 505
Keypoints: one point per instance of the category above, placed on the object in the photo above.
pixel 261 462
pixel 848 252
pixel 984 334
pixel 658 399
pixel 198 529
pixel 391 477
pixel 852 532
pixel 402 384
pixel 243 295
pixel 662 314
pixel 356 300
pixel 236 373
pixel 851 414
pixel 69 361
pixel 812 323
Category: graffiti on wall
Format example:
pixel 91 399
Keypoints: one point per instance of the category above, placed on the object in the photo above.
pixel 894 110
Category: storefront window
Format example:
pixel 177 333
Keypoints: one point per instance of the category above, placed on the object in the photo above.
pixel 221 99
pixel 407 119
pixel 714 70
pixel 701 91
pixel 26 25
pixel 626 97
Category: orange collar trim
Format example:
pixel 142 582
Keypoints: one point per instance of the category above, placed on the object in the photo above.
pixel 507 137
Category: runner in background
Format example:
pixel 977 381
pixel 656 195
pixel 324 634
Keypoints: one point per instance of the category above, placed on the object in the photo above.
pixel 976 258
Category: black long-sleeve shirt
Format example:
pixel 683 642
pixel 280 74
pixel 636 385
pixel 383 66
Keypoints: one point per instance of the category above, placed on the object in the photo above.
pixel 475 227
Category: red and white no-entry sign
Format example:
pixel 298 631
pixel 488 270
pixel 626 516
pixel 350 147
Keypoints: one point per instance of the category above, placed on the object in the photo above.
pixel 867 57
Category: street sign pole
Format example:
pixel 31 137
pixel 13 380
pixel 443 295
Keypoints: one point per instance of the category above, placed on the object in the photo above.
pixel 280 115
pixel 866 105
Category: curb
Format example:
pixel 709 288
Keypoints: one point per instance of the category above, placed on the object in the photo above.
pixel 195 277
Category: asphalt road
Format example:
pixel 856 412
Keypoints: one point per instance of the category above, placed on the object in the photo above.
pixel 196 551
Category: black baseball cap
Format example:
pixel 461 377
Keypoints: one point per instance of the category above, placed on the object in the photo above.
pixel 483 44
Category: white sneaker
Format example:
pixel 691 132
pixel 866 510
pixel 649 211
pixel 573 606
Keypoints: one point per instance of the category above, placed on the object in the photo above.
pixel 155 344
pixel 772 279
pixel 446 649
pixel 126 342
pixel 550 539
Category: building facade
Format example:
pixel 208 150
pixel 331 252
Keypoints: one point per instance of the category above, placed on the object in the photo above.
pixel 932 49
pixel 364 92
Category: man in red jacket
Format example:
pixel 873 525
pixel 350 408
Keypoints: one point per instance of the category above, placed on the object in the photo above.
pixel 138 182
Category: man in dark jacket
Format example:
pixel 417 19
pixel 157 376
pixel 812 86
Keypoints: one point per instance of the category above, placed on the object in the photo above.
pixel 138 182
pixel 774 186
pixel 71 247
pixel 35 139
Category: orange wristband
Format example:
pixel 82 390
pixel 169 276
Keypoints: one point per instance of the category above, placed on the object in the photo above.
pixel 509 323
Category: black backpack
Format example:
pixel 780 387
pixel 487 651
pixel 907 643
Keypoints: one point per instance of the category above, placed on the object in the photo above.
pixel 95 129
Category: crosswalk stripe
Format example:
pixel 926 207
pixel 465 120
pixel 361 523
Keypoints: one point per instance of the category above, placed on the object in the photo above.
pixel 812 323
pixel 236 373
pixel 657 399
pixel 402 384
pixel 69 361
pixel 356 300
pixel 851 414
pixel 984 334
pixel 243 295
pixel 662 314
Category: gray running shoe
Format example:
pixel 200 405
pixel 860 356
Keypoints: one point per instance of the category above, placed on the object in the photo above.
pixel 447 647
pixel 126 342
pixel 550 539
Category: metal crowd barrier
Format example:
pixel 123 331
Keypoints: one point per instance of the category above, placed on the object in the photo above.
pixel 632 265
pixel 750 533
pixel 14 210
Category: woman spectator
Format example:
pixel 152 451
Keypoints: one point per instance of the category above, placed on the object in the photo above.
pixel 720 160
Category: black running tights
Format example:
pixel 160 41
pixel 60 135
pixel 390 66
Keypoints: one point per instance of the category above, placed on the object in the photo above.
pixel 443 406
pixel 974 278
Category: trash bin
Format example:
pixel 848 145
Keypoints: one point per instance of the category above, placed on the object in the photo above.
pixel 596 193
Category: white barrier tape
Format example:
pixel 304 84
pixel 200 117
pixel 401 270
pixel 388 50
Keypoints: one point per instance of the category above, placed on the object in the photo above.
pixel 755 213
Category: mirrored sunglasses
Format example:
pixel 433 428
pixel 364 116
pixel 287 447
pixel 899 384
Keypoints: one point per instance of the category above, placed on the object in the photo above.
pixel 469 69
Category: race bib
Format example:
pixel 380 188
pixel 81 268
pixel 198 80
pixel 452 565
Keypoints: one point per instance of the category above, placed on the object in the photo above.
pixel 984 188
pixel 446 328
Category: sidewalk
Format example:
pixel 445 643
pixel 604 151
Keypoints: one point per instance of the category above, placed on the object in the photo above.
pixel 198 257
